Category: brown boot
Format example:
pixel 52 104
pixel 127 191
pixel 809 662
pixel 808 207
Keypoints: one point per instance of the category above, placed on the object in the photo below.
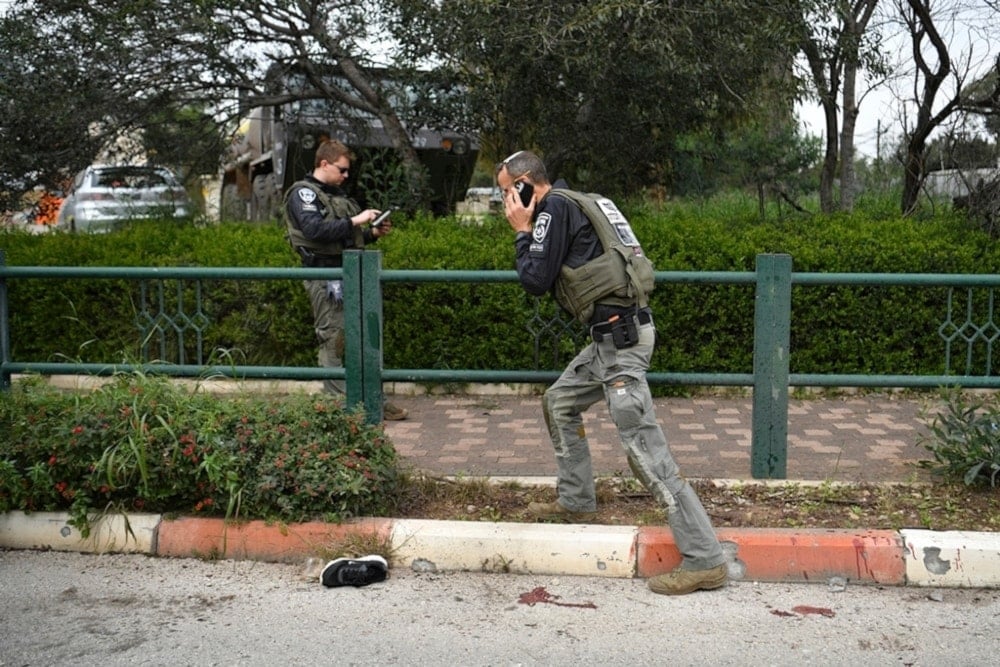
pixel 393 413
pixel 682 582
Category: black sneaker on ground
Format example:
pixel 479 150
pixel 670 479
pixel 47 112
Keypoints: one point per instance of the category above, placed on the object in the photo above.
pixel 354 571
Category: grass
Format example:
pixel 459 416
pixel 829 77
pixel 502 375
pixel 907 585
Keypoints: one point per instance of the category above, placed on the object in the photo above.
pixel 622 501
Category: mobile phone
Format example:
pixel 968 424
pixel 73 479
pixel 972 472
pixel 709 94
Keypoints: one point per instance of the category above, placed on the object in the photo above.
pixel 525 190
pixel 383 216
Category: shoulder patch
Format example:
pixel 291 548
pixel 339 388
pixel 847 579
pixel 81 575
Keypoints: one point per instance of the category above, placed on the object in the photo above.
pixel 541 227
pixel 307 195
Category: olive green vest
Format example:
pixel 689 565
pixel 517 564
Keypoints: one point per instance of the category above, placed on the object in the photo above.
pixel 336 207
pixel 621 276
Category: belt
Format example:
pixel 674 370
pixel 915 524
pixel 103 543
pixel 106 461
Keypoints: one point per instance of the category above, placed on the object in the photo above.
pixel 599 331
pixel 328 261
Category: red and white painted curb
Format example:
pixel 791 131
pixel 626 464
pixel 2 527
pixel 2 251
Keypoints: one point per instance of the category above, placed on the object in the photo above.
pixel 885 557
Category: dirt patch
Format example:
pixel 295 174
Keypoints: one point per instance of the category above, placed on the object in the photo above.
pixel 745 505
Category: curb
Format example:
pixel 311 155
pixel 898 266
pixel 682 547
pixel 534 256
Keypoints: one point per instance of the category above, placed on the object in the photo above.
pixel 957 559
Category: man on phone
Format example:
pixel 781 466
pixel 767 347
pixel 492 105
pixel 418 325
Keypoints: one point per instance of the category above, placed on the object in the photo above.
pixel 582 249
pixel 322 222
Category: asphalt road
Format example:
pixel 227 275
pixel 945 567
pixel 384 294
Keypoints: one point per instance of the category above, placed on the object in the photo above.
pixel 77 609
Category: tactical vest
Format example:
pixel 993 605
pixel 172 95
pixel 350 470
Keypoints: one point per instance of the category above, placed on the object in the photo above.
pixel 335 207
pixel 621 276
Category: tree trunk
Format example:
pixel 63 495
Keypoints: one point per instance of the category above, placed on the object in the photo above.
pixel 921 26
pixel 847 185
pixel 826 89
pixel 828 173
pixel 913 174
pixel 855 23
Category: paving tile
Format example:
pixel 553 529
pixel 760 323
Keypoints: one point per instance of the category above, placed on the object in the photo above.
pixel 861 439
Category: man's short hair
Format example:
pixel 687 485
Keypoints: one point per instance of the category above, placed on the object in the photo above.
pixel 525 162
pixel 332 150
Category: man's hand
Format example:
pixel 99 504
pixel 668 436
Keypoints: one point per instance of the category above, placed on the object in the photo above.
pixel 518 215
pixel 365 217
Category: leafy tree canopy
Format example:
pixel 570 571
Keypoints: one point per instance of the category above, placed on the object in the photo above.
pixel 602 88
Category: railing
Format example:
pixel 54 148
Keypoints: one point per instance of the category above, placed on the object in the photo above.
pixel 363 365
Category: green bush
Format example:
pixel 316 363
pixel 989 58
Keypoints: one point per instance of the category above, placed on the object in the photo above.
pixel 144 444
pixel 701 328
pixel 140 443
pixel 965 440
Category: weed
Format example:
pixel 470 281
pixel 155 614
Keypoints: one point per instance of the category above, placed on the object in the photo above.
pixel 965 440
pixel 357 544
pixel 498 564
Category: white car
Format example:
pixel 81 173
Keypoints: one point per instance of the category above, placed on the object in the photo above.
pixel 103 196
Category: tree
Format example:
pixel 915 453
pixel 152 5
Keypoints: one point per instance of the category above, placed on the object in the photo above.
pixel 772 162
pixel 958 149
pixel 78 82
pixel 51 106
pixel 935 67
pixel 211 54
pixel 984 96
pixel 602 89
pixel 186 138
pixel 837 44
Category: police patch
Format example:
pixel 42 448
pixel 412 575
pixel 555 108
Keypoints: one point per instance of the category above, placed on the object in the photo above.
pixel 307 196
pixel 541 227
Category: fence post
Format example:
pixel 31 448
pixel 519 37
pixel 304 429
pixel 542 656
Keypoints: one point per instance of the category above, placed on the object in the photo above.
pixel 4 327
pixel 772 325
pixel 371 331
pixel 353 366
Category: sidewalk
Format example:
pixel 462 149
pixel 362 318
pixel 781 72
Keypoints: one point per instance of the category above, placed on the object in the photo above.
pixel 861 438
pixel 500 432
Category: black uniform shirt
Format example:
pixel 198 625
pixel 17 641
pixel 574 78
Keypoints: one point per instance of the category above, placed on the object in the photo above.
pixel 562 234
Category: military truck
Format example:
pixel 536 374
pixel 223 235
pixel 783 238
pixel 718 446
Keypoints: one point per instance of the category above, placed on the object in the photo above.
pixel 275 146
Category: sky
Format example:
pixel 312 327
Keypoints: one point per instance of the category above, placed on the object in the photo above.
pixel 877 115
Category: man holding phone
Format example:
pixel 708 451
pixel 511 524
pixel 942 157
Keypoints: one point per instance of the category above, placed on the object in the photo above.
pixel 582 249
pixel 322 222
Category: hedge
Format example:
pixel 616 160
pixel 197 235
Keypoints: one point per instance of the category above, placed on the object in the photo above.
pixel 701 328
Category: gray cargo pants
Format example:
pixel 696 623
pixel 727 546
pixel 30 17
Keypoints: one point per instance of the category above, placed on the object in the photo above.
pixel 328 321
pixel 619 376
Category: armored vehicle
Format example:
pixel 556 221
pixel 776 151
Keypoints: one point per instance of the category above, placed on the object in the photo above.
pixel 276 144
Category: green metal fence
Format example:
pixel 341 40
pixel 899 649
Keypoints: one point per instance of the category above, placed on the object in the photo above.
pixel 163 316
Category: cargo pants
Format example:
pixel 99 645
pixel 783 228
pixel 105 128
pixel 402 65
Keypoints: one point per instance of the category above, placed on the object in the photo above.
pixel 619 376
pixel 328 321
